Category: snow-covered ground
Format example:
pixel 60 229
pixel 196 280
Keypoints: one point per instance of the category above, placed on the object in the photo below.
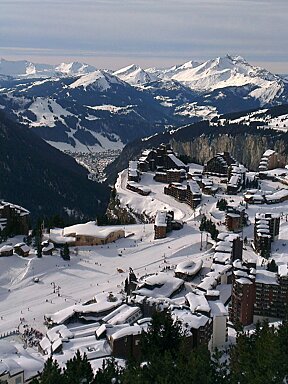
pixel 98 270
pixel 92 271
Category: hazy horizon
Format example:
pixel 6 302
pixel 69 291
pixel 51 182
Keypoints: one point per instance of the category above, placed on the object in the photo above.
pixel 159 33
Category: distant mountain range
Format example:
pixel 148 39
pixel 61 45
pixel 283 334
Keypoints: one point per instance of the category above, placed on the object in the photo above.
pixel 43 179
pixel 77 107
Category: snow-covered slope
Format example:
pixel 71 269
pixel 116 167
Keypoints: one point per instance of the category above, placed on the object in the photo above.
pixel 24 68
pixel 98 79
pixel 231 71
pixel 134 75
pixel 74 68
pixel 120 106
pixel 168 73
pixel 275 118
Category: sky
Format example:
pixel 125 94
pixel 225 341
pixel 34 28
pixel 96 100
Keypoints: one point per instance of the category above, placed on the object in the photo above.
pixel 159 33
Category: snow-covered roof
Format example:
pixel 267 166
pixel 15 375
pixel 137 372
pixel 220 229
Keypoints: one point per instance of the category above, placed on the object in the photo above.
pixel 120 314
pixel 244 281
pixel 6 248
pixel 133 172
pixel 222 235
pixel 176 161
pixel 223 248
pixel 189 319
pixel 189 267
pixel 194 187
pixel 268 152
pixel 197 302
pixel 238 265
pixel 127 331
pixel 220 268
pixel 175 170
pixel 48 247
pixel 208 283
pixel 15 360
pixel 232 215
pixel 159 285
pixel 283 270
pixel 277 195
pixel 133 165
pixel 266 277
pixel 217 308
pixel 21 210
pixel 268 215
pixel 160 219
pixel 234 179
pixel 225 244
pixel 222 257
pixel 23 246
pixel 207 182
pixel 240 273
pixel 12 366
pixel 60 331
pixel 263 230
pixel 7 348
pixel 90 229
pixel 56 344
pixel 61 316
pixel 262 224
pixel 139 186
pixel 101 305
pixel 45 344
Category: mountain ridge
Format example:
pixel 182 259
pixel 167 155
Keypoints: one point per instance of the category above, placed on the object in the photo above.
pixel 244 134
pixel 88 109
pixel 43 179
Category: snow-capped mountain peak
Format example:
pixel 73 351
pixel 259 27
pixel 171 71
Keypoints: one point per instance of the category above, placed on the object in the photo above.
pixel 182 67
pixel 15 68
pixel 74 68
pixel 168 73
pixel 97 79
pixel 231 71
pixel 74 105
pixel 24 68
pixel 134 75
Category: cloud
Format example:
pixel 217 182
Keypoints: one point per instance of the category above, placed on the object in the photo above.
pixel 192 29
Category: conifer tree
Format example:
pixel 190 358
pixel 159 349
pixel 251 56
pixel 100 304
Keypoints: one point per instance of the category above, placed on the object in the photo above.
pixel 109 373
pixel 65 252
pixel 78 370
pixel 163 335
pixel 39 249
pixel 51 373
pixel 272 266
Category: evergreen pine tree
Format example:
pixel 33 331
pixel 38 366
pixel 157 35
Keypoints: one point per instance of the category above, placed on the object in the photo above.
pixel 78 369
pixel 65 252
pixel 51 373
pixel 255 358
pixel 272 266
pixel 163 335
pixel 109 373
pixel 283 345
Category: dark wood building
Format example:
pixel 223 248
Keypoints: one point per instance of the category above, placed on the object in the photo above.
pixel 14 219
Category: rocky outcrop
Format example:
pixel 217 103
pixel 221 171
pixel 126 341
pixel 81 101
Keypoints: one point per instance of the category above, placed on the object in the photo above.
pixel 246 148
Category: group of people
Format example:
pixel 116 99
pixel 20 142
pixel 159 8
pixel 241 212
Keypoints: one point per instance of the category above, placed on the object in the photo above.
pixel 31 336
